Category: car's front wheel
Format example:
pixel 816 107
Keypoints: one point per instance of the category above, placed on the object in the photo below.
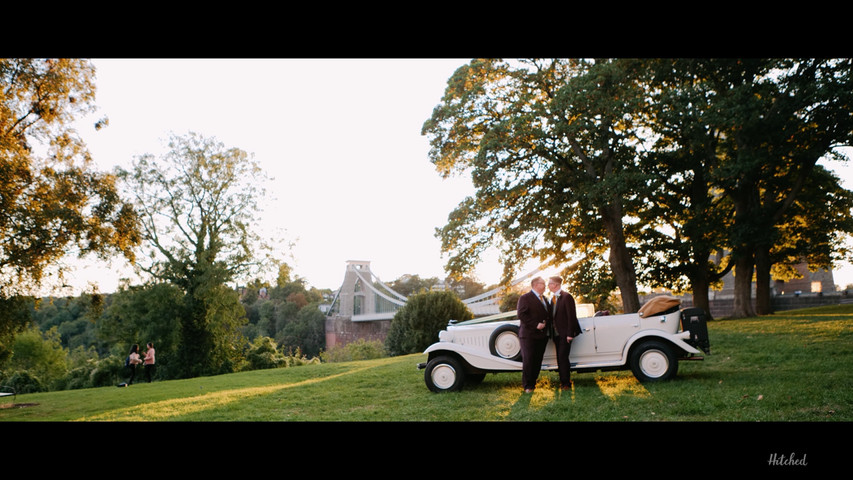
pixel 653 361
pixel 444 374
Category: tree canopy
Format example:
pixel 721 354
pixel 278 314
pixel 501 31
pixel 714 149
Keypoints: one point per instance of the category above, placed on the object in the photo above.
pixel 198 204
pixel 741 139
pixel 198 209
pixel 551 146
pixel 52 200
pixel 661 165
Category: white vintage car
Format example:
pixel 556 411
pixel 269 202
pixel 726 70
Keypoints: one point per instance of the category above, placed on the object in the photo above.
pixel 649 344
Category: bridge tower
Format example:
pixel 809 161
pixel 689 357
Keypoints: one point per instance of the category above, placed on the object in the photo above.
pixel 363 307
pixel 356 296
pixel 363 296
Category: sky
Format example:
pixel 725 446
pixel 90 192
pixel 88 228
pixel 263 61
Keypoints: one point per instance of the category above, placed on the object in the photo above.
pixel 341 139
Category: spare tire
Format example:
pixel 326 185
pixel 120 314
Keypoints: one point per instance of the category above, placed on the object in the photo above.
pixel 504 343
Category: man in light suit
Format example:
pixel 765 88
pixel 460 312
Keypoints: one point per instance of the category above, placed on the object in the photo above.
pixel 565 318
pixel 533 313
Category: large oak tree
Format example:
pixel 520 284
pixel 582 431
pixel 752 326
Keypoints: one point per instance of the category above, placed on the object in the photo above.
pixel 199 213
pixel 663 164
pixel 551 147
pixel 53 202
pixel 738 141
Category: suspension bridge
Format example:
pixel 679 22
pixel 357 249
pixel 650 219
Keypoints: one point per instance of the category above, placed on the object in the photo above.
pixel 363 297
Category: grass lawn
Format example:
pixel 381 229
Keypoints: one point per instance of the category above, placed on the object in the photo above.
pixel 790 367
pixel 788 372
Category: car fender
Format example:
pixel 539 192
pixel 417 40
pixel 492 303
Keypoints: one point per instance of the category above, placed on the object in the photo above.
pixel 475 357
pixel 677 339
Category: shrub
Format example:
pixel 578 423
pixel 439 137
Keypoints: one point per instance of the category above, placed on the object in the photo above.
pixel 25 382
pixel 76 379
pixel 109 371
pixel 41 354
pixel 263 354
pixel 297 358
pixel 358 350
pixel 307 331
pixel 415 326
pixel 509 302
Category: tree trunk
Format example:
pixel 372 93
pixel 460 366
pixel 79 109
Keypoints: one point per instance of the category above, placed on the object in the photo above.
pixel 701 285
pixel 763 300
pixel 743 287
pixel 620 259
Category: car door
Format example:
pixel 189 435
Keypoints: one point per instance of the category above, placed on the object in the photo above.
pixel 583 346
pixel 613 331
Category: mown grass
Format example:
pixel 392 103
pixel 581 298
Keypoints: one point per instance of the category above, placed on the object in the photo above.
pixel 790 367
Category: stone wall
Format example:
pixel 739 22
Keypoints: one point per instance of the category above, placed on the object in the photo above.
pixel 341 330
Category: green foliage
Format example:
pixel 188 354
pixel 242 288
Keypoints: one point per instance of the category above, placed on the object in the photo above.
pixel 306 332
pixel 106 372
pixel 25 382
pixel 415 326
pixel 509 301
pixel 591 283
pixel 287 311
pixel 298 359
pixel 198 205
pixel 77 378
pixel 411 284
pixel 142 314
pixel 76 318
pixel 159 312
pixel 551 148
pixel 152 313
pixel 14 317
pixel 53 202
pixel 263 353
pixel 109 372
pixel 210 333
pixel 360 349
pixel 658 163
pixel 40 354
pixel 56 204
pixel 466 287
pixel 225 316
pixel 734 164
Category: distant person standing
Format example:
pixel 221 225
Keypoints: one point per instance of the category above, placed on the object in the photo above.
pixel 132 361
pixel 149 361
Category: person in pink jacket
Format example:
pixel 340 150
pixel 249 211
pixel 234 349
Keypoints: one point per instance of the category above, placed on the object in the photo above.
pixel 149 361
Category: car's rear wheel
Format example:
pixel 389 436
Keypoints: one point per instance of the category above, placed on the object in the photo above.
pixel 504 343
pixel 444 374
pixel 653 361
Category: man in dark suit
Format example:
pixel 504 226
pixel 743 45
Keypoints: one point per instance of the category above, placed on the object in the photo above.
pixel 565 318
pixel 533 313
